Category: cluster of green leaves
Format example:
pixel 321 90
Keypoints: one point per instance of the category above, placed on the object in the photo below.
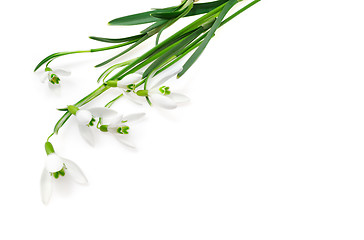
pixel 194 37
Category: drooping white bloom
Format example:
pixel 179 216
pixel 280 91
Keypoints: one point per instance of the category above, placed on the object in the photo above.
pixel 53 75
pixel 127 86
pixel 119 127
pixel 85 119
pixel 55 167
pixel 161 95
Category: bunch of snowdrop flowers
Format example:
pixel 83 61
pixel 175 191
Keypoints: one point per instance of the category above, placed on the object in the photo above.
pixel 148 86
pixel 106 120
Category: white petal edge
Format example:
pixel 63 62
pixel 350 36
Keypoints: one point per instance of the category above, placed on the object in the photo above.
pixel 75 172
pixel 61 72
pixel 86 133
pixel 53 163
pixel 166 78
pixel 83 116
pixel 131 79
pixel 46 186
pixel 162 101
pixel 102 112
pixel 44 78
pixel 123 139
pixel 116 121
pixel 179 98
pixel 134 98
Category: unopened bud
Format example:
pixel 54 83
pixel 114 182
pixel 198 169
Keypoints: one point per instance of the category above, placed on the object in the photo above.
pixel 104 128
pixel 142 93
pixel 49 148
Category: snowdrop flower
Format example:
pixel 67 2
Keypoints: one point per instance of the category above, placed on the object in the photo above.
pixel 53 75
pixel 161 95
pixel 127 86
pixel 120 129
pixel 56 167
pixel 86 119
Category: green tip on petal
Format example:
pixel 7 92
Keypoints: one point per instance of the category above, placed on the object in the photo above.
pixel 103 128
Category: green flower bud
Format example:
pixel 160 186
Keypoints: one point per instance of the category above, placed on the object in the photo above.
pixel 142 93
pixel 49 148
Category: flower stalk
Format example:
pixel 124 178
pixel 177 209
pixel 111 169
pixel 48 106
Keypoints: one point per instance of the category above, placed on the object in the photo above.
pixel 147 71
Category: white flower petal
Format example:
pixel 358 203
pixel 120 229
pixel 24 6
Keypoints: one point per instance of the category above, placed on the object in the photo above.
pixel 162 101
pixel 116 121
pixel 102 112
pixel 53 163
pixel 134 116
pixel 45 186
pixel 165 78
pixel 179 98
pixel 86 133
pixel 75 172
pixel 83 117
pixel 131 79
pixel 134 98
pixel 44 78
pixel 49 75
pixel 140 72
pixel 61 72
pixel 124 140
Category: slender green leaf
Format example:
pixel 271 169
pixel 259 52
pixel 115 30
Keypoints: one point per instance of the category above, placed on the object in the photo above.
pixel 139 18
pixel 211 33
pixel 151 16
pixel 145 37
pixel 181 15
pixel 177 48
pixel 117 40
pixel 148 56
pixel 155 25
pixel 51 57
pixel 61 122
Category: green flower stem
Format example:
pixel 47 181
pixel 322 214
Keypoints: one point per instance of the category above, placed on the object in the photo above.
pixel 109 104
pixel 100 90
pixel 194 25
pixel 112 47
pixel 155 50
pixel 108 71
pixel 228 19
pixel 60 54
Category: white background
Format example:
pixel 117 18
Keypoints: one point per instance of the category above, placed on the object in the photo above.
pixel 270 147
